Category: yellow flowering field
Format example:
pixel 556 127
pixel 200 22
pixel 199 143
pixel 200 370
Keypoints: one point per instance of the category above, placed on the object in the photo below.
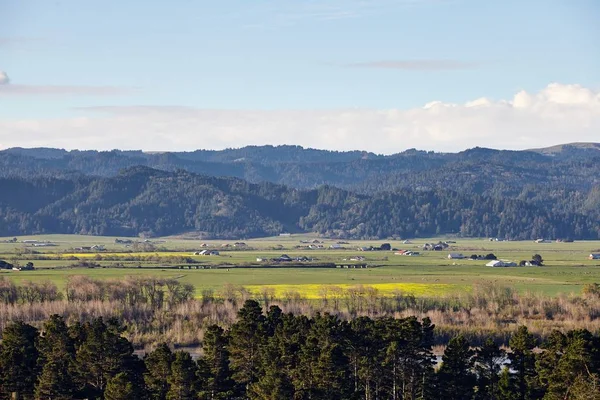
pixel 317 291
pixel 133 254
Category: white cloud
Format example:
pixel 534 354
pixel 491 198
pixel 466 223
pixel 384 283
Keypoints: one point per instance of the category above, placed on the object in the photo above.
pixel 557 114
pixel 4 79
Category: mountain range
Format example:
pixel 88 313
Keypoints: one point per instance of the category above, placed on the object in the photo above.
pixel 265 190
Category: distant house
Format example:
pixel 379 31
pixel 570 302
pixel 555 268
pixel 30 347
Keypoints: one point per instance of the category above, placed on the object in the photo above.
pixel 357 258
pixel 28 267
pixel 595 256
pixel 239 244
pixel 336 246
pixel 406 242
pixel 542 241
pixel 499 263
pixel 283 258
pixel 285 234
pixel 455 256
pixel 207 253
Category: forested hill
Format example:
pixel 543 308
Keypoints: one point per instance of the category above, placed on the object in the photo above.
pixel 146 201
pixel 574 167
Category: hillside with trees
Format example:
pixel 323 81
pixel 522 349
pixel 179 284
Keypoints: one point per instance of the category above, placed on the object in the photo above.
pixel 272 355
pixel 149 202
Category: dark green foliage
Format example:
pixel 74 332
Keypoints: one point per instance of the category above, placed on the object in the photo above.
pixel 455 378
pixel 567 361
pixel 322 372
pixel 214 365
pixel 297 358
pixel 247 336
pixel 122 387
pixel 488 360
pixel 18 359
pixel 158 369
pixel 102 354
pixel 57 361
pixel 522 361
pixel 150 202
pixel 183 381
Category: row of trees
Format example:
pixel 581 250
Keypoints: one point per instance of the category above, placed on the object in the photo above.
pixel 274 355
pixel 151 202
pixel 158 293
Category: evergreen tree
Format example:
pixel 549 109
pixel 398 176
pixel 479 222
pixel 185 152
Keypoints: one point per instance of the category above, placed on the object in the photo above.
pixel 322 372
pixel 489 360
pixel 566 361
pixel 455 378
pixel 409 358
pixel 214 365
pixel 119 387
pixel 57 356
pixel 506 386
pixel 18 360
pixel 103 353
pixel 522 361
pixel 247 336
pixel 158 369
pixel 183 381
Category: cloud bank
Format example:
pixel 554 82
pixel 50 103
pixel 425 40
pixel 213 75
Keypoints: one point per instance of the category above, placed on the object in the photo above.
pixel 557 114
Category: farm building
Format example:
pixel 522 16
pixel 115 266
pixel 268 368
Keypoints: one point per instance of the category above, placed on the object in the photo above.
pixel 498 263
pixel 595 256
pixel 207 253
pixel 455 256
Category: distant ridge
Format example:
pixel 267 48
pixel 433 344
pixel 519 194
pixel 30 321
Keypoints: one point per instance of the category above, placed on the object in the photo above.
pixel 576 146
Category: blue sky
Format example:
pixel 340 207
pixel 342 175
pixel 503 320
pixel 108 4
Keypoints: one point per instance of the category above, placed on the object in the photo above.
pixel 87 66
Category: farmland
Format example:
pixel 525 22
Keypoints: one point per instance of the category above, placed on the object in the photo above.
pixel 566 266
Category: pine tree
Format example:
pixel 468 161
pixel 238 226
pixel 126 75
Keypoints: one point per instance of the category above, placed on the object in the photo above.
pixel 522 361
pixel 489 360
pixel 183 381
pixel 158 369
pixel 57 356
pixel 119 387
pixel 18 360
pixel 247 336
pixel 409 358
pixel 102 354
pixel 455 378
pixel 214 365
pixel 322 371
pixel 566 361
pixel 506 385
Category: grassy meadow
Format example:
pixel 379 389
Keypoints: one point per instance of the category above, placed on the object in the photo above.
pixel 567 267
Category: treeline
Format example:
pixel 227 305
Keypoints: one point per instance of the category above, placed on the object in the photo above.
pixel 275 355
pixel 158 293
pixel 142 201
pixel 157 310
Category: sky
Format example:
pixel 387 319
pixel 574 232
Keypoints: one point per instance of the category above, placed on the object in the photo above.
pixel 376 75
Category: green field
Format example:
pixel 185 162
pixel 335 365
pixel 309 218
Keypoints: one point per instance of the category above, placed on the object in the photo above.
pixel 567 267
